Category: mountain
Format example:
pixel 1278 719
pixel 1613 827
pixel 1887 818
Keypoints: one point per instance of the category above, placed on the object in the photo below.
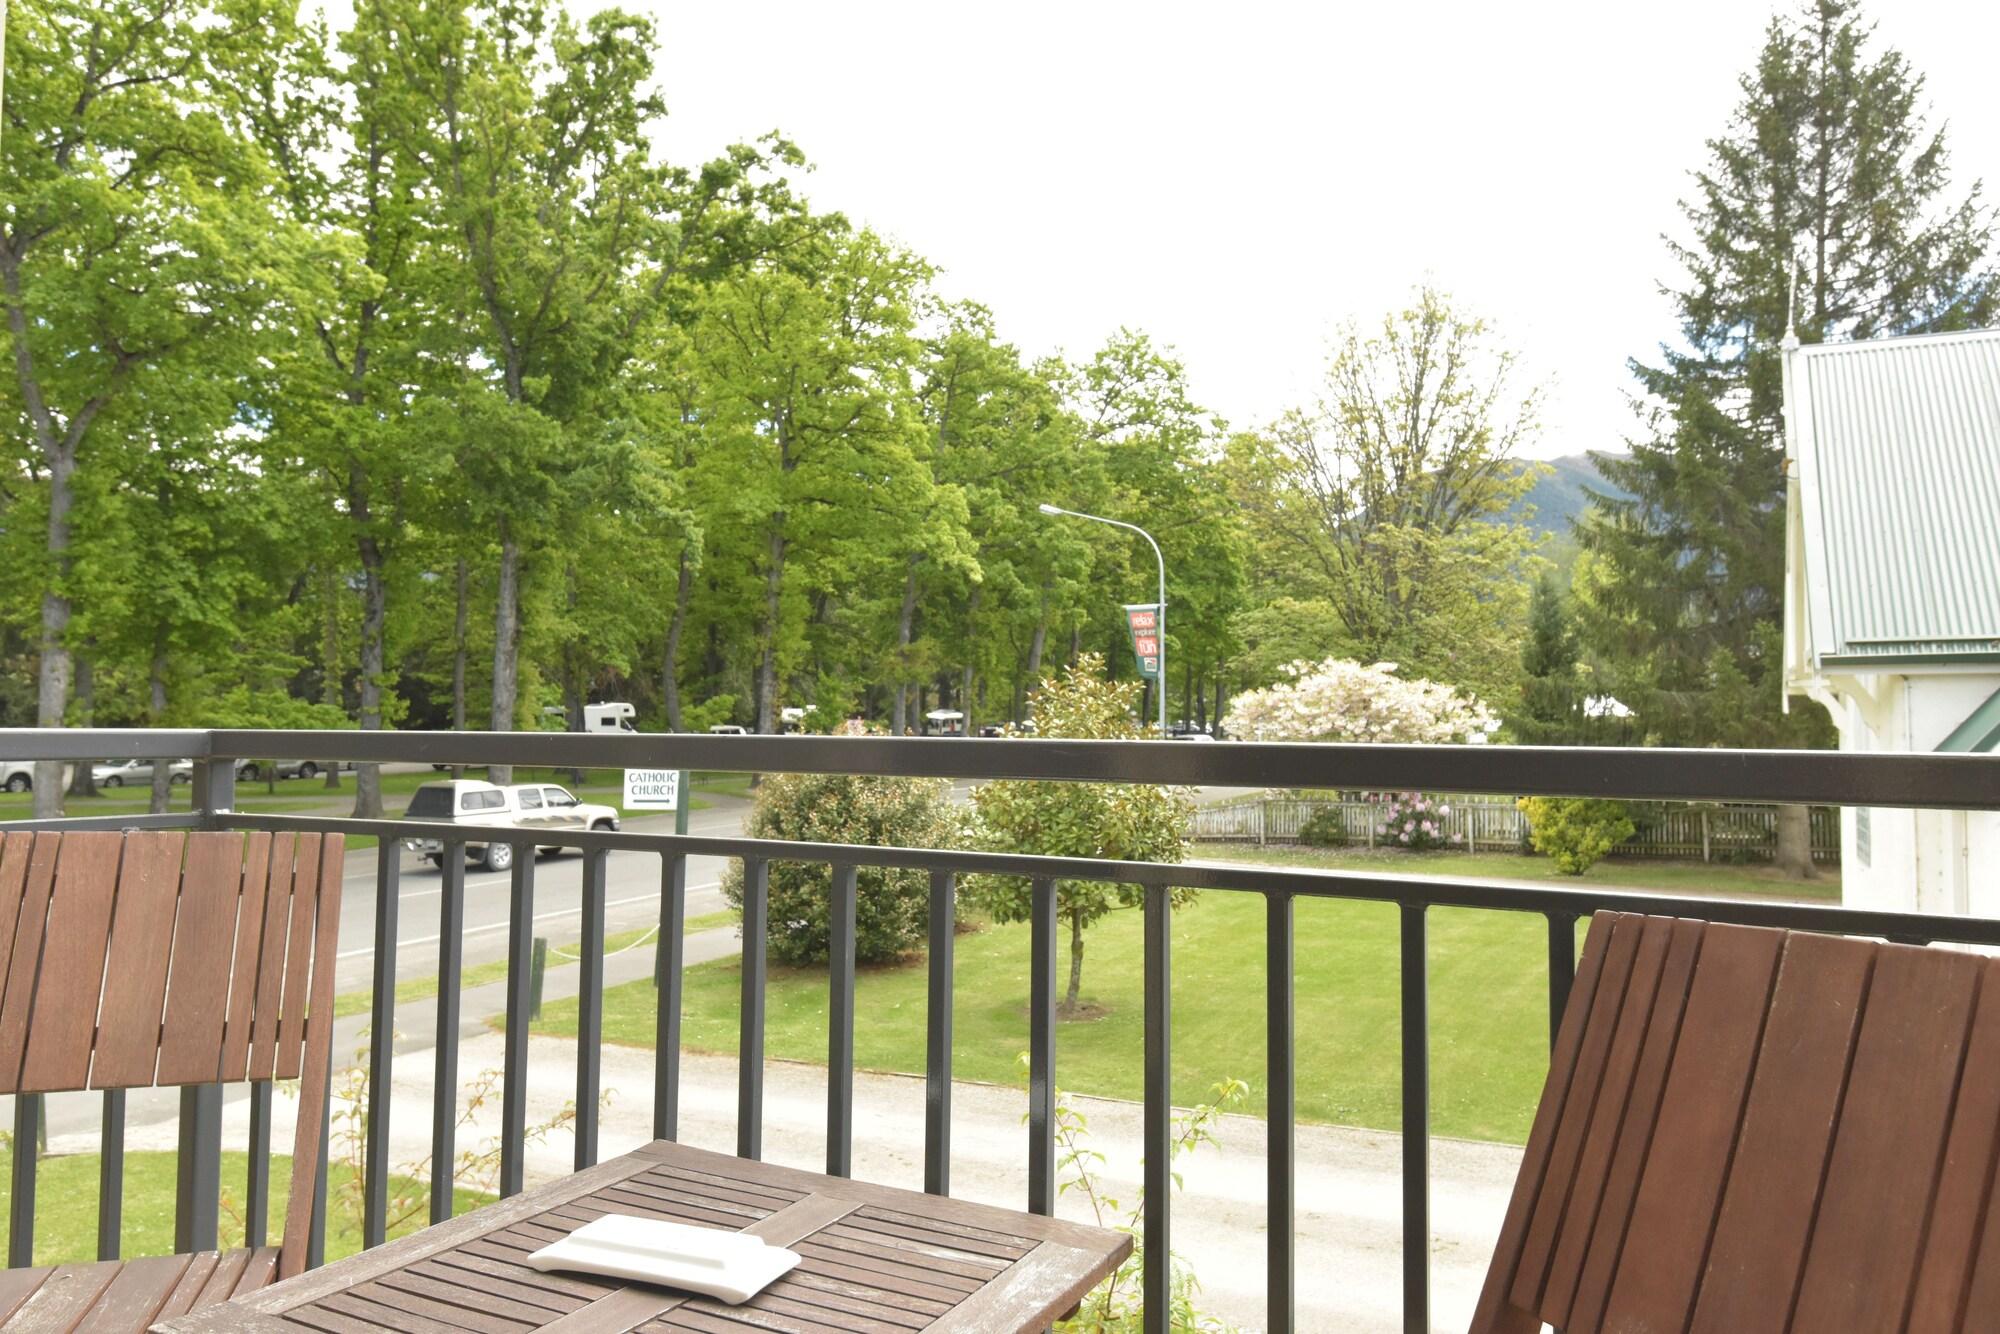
pixel 1558 497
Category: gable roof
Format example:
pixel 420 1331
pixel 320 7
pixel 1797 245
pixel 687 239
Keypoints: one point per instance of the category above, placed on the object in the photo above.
pixel 1896 442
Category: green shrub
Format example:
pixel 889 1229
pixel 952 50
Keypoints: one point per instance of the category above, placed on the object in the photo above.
pixel 891 905
pixel 1326 827
pixel 1576 831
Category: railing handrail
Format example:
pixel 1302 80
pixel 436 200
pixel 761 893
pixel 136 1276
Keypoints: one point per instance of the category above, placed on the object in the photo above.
pixel 1799 777
pixel 1423 890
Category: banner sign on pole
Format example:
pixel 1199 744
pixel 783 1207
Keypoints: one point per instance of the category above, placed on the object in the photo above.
pixel 1143 620
pixel 652 789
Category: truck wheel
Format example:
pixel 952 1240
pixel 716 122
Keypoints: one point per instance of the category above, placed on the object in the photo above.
pixel 309 770
pixel 20 783
pixel 499 856
pixel 250 773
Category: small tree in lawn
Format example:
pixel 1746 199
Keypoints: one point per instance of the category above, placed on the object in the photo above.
pixel 1114 821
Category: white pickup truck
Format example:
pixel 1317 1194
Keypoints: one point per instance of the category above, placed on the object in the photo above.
pixel 528 806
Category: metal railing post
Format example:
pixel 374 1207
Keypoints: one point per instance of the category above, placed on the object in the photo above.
pixel 111 1175
pixel 381 1045
pixel 1416 1123
pixel 937 1036
pixel 1042 1048
pixel 840 1024
pixel 1157 1224
pixel 669 966
pixel 1282 1167
pixel 589 1004
pixel 444 1088
pixel 521 998
pixel 21 1199
pixel 750 1048
pixel 198 1197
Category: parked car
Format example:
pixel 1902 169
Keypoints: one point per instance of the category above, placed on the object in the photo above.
pixel 530 806
pixel 256 771
pixel 992 730
pixel 728 729
pixel 138 773
pixel 19 775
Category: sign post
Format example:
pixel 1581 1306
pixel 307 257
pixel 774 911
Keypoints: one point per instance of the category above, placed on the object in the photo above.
pixel 653 790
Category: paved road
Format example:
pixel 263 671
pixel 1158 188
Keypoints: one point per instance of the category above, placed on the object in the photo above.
pixel 632 899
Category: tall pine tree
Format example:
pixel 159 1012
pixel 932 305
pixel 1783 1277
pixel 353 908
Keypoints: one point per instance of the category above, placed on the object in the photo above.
pixel 1827 170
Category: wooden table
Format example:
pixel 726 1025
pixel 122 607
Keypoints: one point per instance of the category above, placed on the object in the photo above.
pixel 876 1259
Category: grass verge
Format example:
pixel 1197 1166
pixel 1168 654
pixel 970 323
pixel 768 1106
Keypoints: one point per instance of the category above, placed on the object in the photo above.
pixel 495 970
pixel 66 1205
pixel 1489 1005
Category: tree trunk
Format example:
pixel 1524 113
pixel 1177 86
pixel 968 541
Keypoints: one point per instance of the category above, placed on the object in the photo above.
pixel 1040 642
pixel 506 649
pixel 330 691
pixel 905 625
pixel 374 656
pixel 1794 855
pixel 767 665
pixel 52 689
pixel 670 669
pixel 83 778
pixel 460 630
pixel 1071 1001
pixel 575 691
pixel 156 716
pixel 965 674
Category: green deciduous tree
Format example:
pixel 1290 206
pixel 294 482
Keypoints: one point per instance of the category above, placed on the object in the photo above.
pixel 1388 499
pixel 138 250
pixel 1115 821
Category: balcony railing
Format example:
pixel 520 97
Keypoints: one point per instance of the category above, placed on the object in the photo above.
pixel 1952 782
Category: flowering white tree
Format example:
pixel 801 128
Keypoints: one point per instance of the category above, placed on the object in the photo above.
pixel 1340 700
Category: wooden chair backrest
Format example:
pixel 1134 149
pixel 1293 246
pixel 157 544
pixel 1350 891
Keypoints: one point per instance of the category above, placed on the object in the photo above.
pixel 1749 1129
pixel 129 960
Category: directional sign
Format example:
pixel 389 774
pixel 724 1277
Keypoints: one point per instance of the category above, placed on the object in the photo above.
pixel 1143 620
pixel 652 789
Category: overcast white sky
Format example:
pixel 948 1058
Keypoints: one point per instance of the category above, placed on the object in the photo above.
pixel 1238 178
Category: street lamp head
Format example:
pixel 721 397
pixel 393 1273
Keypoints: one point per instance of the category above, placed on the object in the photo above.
pixel 1047 508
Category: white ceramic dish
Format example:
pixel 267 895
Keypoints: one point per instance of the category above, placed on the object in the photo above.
pixel 729 1266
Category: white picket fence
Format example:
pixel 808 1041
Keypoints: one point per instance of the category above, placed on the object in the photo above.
pixel 1484 824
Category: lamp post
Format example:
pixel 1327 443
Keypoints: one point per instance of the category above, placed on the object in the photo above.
pixel 1160 623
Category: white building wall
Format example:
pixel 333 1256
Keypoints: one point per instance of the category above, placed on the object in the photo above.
pixel 1915 861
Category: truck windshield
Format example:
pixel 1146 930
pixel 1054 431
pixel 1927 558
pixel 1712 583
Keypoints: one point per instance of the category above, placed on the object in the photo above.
pixel 429 803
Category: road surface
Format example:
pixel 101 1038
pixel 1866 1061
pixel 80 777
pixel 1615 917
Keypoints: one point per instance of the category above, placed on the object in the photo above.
pixel 632 899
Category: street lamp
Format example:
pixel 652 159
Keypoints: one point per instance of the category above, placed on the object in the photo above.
pixel 1160 622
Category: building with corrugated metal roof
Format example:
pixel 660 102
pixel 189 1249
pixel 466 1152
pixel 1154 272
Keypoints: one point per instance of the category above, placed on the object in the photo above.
pixel 1892 588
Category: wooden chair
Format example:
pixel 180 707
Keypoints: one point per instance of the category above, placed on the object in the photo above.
pixel 1750 1130
pixel 154 959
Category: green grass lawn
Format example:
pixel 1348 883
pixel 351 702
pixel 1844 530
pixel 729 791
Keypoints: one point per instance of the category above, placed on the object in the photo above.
pixel 1489 1008
pixel 1644 873
pixel 66 1205
pixel 1489 996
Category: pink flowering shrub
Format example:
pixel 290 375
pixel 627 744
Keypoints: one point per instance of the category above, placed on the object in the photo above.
pixel 1412 821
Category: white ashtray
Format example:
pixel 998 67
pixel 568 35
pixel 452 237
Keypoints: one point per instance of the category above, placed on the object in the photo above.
pixel 730 1266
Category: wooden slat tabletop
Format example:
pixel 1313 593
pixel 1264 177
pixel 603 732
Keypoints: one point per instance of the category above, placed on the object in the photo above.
pixel 875 1259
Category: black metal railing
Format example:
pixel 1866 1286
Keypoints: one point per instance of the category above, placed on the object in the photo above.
pixel 1958 782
